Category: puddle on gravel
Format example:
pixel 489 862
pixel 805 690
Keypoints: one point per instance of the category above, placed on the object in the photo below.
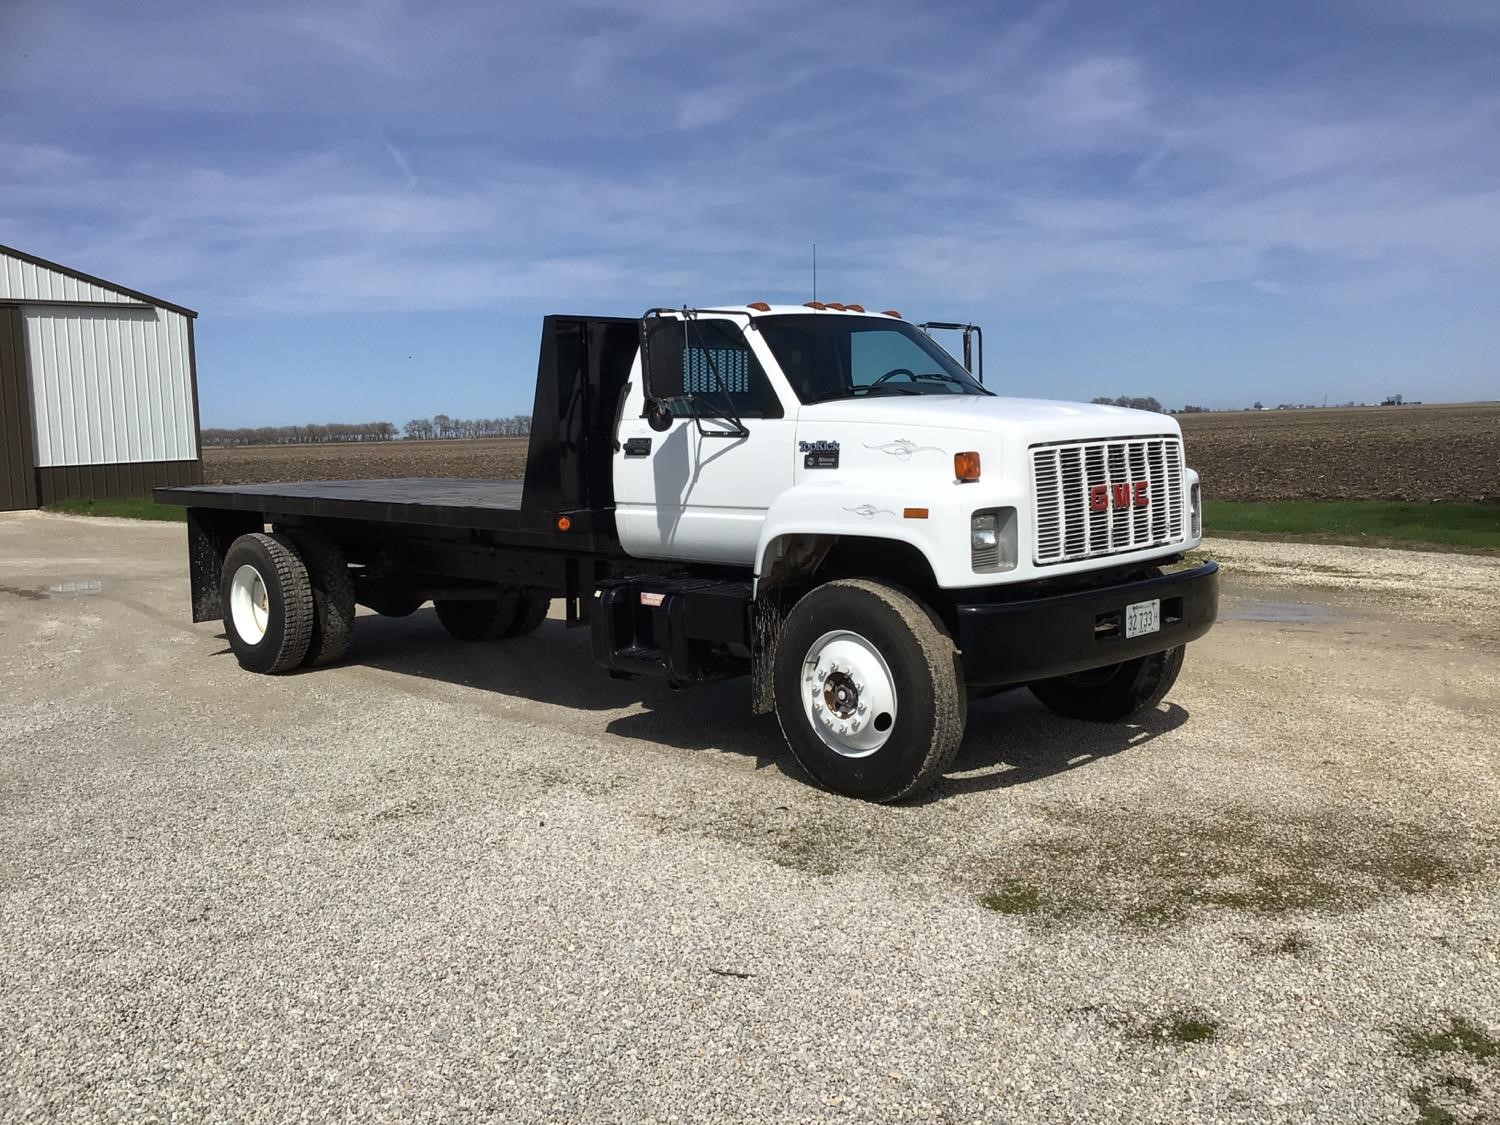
pixel 83 586
pixel 1281 613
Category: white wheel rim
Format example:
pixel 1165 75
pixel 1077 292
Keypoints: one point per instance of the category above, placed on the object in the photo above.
pixel 848 694
pixel 249 604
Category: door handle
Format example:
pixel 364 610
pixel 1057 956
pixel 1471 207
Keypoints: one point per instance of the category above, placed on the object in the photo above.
pixel 637 446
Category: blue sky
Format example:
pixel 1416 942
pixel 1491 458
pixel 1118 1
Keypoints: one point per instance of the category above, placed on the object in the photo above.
pixel 372 204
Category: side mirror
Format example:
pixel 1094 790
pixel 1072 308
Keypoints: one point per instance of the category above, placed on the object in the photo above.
pixel 662 354
pixel 658 417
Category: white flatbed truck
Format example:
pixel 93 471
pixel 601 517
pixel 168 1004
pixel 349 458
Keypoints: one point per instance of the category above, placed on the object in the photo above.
pixel 815 496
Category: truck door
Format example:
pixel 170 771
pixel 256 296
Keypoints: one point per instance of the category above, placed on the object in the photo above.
pixel 699 488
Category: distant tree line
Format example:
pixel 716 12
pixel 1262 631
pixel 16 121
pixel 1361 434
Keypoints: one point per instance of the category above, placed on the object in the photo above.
pixel 438 426
pixel 1147 403
pixel 441 426
pixel 314 434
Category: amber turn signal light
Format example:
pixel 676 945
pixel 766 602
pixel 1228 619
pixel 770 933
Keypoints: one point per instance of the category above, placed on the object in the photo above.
pixel 914 513
pixel 966 466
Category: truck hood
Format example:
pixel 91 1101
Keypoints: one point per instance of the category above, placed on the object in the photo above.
pixel 1026 419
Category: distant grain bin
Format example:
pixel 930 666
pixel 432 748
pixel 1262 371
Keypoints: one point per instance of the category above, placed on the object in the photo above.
pixel 98 387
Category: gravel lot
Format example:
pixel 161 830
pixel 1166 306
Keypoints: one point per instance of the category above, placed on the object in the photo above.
pixel 448 882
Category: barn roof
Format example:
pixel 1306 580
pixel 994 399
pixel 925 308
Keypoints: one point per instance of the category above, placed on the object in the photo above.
pixel 86 279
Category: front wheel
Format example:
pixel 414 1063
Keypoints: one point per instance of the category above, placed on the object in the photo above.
pixel 1107 695
pixel 869 690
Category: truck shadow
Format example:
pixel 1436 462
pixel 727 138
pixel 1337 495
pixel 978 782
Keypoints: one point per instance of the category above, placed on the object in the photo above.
pixel 1010 739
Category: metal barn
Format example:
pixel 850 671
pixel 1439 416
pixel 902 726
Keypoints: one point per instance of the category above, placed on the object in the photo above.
pixel 98 387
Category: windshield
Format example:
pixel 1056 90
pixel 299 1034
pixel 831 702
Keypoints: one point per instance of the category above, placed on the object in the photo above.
pixel 828 357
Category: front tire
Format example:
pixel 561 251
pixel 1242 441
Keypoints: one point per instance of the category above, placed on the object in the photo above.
pixel 268 603
pixel 1107 695
pixel 869 690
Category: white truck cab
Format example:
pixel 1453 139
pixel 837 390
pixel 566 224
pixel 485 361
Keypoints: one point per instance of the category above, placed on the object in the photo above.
pixel 784 422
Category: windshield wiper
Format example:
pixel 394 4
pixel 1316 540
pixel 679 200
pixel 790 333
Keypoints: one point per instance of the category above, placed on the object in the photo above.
pixel 854 392
pixel 968 385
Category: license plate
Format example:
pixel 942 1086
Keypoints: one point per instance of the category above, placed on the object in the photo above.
pixel 1142 618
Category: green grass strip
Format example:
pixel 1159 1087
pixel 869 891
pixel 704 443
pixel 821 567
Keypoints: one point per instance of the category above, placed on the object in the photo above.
pixel 131 508
pixel 1373 523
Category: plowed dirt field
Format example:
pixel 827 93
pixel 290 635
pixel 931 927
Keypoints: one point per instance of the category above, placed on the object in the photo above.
pixel 1363 453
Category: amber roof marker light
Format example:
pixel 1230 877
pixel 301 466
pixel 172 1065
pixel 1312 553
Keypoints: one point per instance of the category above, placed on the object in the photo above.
pixel 966 466
pixel 814 305
pixel 892 312
pixel 760 305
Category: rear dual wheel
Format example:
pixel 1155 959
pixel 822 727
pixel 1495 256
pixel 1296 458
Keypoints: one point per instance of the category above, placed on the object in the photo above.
pixel 515 612
pixel 268 603
pixel 287 601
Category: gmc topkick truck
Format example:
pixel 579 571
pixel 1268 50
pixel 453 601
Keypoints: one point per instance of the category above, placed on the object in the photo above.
pixel 817 497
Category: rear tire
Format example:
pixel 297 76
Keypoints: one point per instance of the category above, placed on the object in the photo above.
pixel 392 605
pixel 487 620
pixel 268 603
pixel 333 597
pixel 869 690
pixel 531 611
pixel 1107 695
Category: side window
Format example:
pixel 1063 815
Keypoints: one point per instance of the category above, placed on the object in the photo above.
pixel 877 351
pixel 685 356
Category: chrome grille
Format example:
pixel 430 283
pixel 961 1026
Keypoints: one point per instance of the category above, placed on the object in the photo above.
pixel 1065 480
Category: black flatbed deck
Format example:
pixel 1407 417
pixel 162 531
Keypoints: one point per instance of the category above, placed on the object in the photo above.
pixel 431 501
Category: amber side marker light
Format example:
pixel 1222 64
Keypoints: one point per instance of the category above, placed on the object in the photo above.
pixel 966 466
pixel 914 513
pixel 564 523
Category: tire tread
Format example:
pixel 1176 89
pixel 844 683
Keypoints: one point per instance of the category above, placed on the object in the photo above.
pixel 333 597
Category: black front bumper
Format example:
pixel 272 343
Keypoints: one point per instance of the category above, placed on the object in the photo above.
pixel 1016 641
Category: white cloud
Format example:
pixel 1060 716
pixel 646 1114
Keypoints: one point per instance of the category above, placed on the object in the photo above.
pixel 269 159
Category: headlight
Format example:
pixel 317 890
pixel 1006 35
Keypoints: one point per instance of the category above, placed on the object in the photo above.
pixel 992 539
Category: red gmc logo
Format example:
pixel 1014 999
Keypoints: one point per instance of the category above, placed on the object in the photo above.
pixel 1102 497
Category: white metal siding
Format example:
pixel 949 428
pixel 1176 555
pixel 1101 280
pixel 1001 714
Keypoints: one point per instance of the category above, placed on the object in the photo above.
pixel 109 386
pixel 26 281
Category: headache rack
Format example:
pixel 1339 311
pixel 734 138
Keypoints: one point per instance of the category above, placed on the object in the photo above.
pixel 1106 497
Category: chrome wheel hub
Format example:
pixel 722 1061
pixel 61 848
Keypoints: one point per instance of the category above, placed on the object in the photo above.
pixel 848 694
